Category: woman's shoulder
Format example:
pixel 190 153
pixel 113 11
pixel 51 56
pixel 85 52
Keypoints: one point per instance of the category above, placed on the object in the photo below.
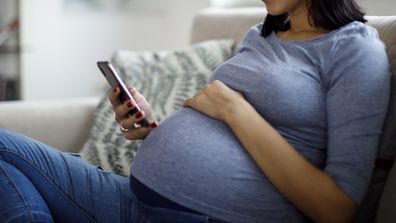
pixel 251 37
pixel 357 49
pixel 356 35
pixel 358 28
pixel 255 30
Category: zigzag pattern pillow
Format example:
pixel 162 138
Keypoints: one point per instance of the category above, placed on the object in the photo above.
pixel 166 79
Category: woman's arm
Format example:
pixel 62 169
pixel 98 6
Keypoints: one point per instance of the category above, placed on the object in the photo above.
pixel 311 190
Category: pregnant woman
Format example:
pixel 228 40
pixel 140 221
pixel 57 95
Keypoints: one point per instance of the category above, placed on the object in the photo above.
pixel 285 131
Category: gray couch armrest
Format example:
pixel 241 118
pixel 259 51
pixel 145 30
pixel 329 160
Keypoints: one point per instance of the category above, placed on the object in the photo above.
pixel 63 124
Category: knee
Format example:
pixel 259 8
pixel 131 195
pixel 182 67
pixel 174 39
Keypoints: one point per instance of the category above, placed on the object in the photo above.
pixel 31 217
pixel 12 142
pixel 7 138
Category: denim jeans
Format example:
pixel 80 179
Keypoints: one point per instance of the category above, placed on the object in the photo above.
pixel 41 184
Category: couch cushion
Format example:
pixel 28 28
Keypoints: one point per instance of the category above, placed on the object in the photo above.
pixel 61 123
pixel 387 207
pixel 166 79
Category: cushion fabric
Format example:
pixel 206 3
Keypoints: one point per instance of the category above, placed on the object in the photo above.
pixel 166 79
pixel 387 207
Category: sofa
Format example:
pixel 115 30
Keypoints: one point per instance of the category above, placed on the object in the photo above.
pixel 65 124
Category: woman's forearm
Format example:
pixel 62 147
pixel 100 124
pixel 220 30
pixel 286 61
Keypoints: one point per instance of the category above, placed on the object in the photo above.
pixel 307 187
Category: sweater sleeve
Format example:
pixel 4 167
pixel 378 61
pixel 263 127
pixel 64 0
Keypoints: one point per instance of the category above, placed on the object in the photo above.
pixel 357 102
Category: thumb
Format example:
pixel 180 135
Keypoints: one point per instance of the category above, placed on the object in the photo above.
pixel 188 103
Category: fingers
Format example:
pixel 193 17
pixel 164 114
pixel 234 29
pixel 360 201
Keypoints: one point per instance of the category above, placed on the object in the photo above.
pixel 154 124
pixel 133 91
pixel 188 103
pixel 115 93
pixel 139 133
pixel 129 123
pixel 191 102
pixel 133 120
pixel 136 94
pixel 121 110
pixel 113 97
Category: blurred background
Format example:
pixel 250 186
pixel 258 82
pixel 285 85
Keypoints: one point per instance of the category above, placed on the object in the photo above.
pixel 49 48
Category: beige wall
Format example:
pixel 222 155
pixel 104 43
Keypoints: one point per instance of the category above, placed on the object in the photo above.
pixel 379 7
pixel 61 47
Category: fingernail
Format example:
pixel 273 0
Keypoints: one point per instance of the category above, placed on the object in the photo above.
pixel 132 90
pixel 129 104
pixel 153 125
pixel 139 115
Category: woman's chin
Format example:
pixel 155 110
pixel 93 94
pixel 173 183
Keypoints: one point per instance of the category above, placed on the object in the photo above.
pixel 275 12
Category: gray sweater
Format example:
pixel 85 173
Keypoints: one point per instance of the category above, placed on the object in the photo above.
pixel 327 97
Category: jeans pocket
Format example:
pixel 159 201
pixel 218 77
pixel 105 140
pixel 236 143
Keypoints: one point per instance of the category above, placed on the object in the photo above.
pixel 102 170
pixel 78 155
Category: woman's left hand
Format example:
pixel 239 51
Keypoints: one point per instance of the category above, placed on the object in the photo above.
pixel 216 100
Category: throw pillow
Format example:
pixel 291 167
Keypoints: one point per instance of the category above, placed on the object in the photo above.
pixel 166 79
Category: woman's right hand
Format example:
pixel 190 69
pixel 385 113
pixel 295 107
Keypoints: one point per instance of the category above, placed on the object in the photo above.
pixel 129 122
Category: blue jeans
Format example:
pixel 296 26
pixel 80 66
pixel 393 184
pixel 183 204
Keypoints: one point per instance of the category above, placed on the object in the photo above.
pixel 41 184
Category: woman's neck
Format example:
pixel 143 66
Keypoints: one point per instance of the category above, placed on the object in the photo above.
pixel 299 20
pixel 301 25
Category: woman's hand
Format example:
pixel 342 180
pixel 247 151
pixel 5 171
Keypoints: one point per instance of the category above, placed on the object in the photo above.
pixel 132 130
pixel 216 100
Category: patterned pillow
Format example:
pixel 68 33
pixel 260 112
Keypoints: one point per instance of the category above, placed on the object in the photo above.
pixel 166 79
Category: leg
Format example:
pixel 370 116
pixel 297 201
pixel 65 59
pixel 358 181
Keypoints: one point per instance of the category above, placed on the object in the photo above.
pixel 73 190
pixel 20 201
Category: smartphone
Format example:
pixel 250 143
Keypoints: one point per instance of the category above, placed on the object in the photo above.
pixel 114 80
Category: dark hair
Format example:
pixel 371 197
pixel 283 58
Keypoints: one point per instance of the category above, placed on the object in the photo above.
pixel 327 14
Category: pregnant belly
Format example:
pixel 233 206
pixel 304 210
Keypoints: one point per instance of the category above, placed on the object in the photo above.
pixel 197 161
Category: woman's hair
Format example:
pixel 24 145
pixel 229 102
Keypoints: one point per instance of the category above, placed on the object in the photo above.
pixel 327 14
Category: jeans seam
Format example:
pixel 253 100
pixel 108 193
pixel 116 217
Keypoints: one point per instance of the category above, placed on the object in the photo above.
pixel 68 175
pixel 25 203
pixel 32 220
pixel 2 149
